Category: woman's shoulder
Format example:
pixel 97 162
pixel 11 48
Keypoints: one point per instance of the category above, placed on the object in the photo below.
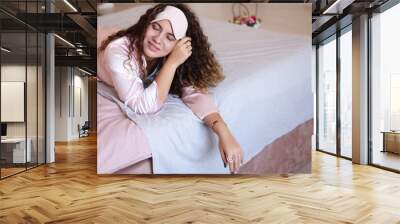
pixel 121 43
pixel 120 40
pixel 116 55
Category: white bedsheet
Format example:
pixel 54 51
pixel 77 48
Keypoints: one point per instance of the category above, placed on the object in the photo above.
pixel 266 94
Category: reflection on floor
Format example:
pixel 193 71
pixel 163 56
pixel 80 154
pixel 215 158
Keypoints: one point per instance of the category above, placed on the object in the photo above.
pixel 387 159
pixel 10 169
pixel 347 152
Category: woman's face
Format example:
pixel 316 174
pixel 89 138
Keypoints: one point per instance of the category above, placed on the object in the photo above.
pixel 159 39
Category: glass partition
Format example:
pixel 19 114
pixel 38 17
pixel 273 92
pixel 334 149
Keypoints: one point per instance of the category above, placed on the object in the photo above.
pixel 22 89
pixel 13 103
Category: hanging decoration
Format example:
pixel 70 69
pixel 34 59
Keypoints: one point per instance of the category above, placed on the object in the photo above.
pixel 242 16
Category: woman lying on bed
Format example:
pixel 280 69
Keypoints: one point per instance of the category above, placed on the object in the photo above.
pixel 164 52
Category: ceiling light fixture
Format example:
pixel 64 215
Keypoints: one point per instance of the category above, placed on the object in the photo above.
pixel 5 50
pixel 79 51
pixel 70 5
pixel 65 41
pixel 337 7
pixel 84 71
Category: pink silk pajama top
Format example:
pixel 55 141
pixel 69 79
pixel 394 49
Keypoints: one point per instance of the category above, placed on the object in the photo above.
pixel 121 143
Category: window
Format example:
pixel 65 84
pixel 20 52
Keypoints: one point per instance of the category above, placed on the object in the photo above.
pixel 385 88
pixel 22 76
pixel 346 93
pixel 327 96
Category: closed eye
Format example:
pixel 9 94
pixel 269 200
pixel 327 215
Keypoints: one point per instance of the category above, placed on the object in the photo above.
pixel 156 26
pixel 171 37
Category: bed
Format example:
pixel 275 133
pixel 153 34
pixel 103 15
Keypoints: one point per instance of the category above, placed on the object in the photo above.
pixel 266 100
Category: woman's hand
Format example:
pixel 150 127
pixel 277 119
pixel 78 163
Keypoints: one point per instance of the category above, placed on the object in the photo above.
pixel 181 52
pixel 231 152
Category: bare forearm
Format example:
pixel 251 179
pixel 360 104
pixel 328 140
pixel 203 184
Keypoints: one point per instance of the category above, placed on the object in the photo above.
pixel 231 152
pixel 181 51
pixel 164 80
pixel 215 122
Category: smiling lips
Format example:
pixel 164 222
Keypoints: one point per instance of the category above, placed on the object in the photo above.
pixel 152 47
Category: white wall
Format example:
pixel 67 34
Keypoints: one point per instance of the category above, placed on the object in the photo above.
pixel 314 90
pixel 12 73
pixel 274 16
pixel 80 103
pixel 33 127
pixel 62 81
pixel 17 73
pixel 70 83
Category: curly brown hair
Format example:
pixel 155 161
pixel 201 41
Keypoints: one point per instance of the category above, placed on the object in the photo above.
pixel 201 70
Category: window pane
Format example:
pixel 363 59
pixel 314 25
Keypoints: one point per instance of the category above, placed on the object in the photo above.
pixel 386 88
pixel 13 86
pixel 346 94
pixel 31 97
pixel 327 97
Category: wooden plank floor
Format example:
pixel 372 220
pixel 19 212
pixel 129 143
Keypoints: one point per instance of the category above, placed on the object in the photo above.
pixel 70 191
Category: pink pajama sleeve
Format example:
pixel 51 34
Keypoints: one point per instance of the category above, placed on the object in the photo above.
pixel 202 104
pixel 127 82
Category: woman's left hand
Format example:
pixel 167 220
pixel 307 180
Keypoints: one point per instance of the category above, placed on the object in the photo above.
pixel 231 152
